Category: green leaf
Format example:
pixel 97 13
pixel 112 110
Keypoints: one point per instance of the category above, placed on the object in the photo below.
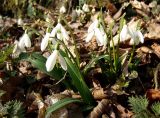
pixel 78 82
pixel 38 61
pixel 156 108
pixel 90 64
pixel 60 104
pixel 2 93
pixel 138 104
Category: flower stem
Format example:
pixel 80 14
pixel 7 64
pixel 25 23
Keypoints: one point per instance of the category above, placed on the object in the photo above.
pixel 132 53
pixel 74 42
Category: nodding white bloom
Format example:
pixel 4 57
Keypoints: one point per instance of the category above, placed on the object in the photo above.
pixel 44 42
pixel 79 11
pixel 85 8
pixel 131 32
pixel 25 41
pixel 62 10
pixel 21 44
pixel 20 21
pixel 96 29
pixel 60 33
pixel 53 58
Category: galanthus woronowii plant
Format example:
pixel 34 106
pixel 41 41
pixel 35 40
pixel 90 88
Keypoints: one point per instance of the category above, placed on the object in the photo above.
pixel 51 61
pixel 57 40
pixel 131 32
pixel 20 45
pixel 59 33
pixel 96 29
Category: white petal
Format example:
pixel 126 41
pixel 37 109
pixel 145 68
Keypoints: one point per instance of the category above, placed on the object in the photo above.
pixel 54 42
pixel 105 39
pixel 62 62
pixel 85 8
pixel 123 33
pixel 103 35
pixel 64 33
pixel 59 36
pixel 115 40
pixel 58 26
pixel 53 32
pixel 131 42
pixel 21 44
pixel 15 46
pixel 27 40
pixel 91 28
pixel 140 36
pixel 133 33
pixel 44 42
pixel 89 36
pixel 99 37
pixel 51 61
pixel 62 9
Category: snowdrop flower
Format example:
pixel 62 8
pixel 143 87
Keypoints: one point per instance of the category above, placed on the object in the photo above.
pixel 53 58
pixel 21 44
pixel 25 41
pixel 62 10
pixel 85 8
pixel 44 42
pixel 131 32
pixel 20 21
pixel 60 33
pixel 96 29
pixel 79 11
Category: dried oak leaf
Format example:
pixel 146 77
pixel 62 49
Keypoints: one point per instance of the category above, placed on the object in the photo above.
pixel 153 95
pixel 156 49
pixel 153 31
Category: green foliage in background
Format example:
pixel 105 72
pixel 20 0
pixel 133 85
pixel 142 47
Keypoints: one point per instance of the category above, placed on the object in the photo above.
pixel 139 106
pixel 12 109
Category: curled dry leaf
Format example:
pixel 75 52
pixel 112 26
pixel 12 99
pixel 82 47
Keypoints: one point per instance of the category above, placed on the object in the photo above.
pixel 102 106
pixel 153 95
pixel 99 93
pixel 123 112
pixel 136 4
pixel 144 49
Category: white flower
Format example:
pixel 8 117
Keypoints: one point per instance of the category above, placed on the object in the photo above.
pixel 25 41
pixel 85 8
pixel 20 21
pixel 79 11
pixel 62 10
pixel 52 59
pixel 60 33
pixel 21 44
pixel 44 42
pixel 96 29
pixel 17 50
pixel 131 33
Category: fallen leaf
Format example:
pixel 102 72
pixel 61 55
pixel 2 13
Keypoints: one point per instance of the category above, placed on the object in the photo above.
pixel 153 31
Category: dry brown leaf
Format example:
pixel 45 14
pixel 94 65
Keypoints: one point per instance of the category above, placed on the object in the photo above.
pixel 153 95
pixel 156 48
pixel 144 49
pixel 102 106
pixel 123 112
pixel 153 31
pixel 99 94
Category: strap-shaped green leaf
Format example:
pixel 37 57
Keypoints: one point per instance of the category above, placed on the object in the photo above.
pixel 78 82
pixel 89 65
pixel 60 104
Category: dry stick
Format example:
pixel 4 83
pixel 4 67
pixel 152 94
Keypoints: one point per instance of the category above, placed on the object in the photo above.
pixel 156 76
